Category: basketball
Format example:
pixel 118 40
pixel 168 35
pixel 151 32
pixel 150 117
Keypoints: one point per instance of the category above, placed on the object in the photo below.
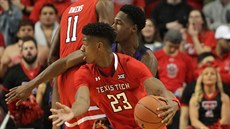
pixel 145 112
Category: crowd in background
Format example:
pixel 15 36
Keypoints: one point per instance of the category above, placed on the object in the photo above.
pixel 193 60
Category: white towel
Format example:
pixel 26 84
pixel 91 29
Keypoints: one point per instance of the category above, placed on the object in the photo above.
pixel 39 34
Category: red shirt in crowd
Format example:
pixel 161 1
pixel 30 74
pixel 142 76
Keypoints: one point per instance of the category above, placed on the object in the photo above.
pixel 61 6
pixel 173 71
pixel 116 94
pixel 224 67
pixel 206 38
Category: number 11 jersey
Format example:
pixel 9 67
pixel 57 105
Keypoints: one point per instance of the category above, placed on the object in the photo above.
pixel 74 18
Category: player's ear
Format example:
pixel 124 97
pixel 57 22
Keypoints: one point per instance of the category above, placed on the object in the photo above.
pixel 134 28
pixel 99 45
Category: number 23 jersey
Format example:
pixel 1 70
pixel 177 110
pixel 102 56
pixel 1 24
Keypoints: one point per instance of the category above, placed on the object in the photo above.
pixel 116 95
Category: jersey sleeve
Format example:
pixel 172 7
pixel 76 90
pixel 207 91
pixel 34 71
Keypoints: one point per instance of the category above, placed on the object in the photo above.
pixel 138 70
pixel 81 77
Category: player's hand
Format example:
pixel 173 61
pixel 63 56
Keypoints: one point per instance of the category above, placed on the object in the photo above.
pixel 168 111
pixel 19 93
pixel 61 115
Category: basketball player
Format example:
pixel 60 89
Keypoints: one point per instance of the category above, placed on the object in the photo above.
pixel 114 81
pixel 75 58
pixel 72 22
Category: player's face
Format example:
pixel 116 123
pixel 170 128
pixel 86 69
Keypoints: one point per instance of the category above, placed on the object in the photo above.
pixel 122 26
pixel 48 16
pixel 209 76
pixel 29 52
pixel 90 49
pixel 171 48
pixel 25 31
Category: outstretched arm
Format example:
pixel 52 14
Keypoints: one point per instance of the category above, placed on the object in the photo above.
pixel 79 107
pixel 58 67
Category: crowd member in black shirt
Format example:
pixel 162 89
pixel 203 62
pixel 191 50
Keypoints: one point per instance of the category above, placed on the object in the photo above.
pixel 171 14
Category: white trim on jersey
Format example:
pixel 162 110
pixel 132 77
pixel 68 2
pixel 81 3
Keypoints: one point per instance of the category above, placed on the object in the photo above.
pixel 94 117
pixel 91 108
pixel 115 61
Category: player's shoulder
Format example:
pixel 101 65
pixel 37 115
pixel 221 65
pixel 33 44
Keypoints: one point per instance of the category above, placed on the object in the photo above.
pixel 148 54
pixel 125 58
pixel 86 67
pixel 129 62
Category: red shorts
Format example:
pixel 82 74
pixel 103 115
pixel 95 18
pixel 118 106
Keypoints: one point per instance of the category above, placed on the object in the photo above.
pixel 67 93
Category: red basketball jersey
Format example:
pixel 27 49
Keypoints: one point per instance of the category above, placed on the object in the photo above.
pixel 116 95
pixel 74 18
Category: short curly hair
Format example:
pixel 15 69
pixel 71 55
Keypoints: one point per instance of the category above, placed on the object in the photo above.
pixel 101 30
pixel 135 14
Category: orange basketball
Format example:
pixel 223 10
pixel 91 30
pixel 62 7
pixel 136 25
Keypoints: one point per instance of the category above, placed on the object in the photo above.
pixel 145 112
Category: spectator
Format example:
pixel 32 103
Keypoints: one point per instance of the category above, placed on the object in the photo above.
pixel 198 37
pixel 119 3
pixel 150 36
pixel 204 60
pixel 61 5
pixel 171 14
pixel 10 16
pixel 47 25
pixel 174 68
pixel 208 107
pixel 217 13
pixel 12 53
pixel 222 52
pixel 28 69
pixel 26 6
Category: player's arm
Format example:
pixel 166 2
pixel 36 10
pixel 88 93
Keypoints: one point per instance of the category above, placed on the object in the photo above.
pixel 194 115
pixel 105 11
pixel 225 114
pixel 156 87
pixel 150 61
pixel 81 105
pixel 56 68
pixel 55 48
